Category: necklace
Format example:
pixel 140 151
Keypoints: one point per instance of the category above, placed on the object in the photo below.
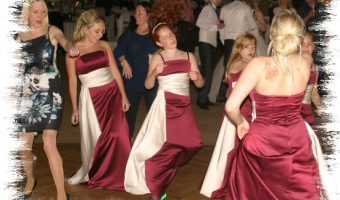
pixel 142 32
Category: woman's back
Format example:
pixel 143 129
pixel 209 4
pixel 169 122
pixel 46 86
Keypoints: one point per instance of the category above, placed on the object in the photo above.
pixel 274 79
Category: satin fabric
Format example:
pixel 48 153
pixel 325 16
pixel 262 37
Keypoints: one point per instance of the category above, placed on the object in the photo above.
pixel 105 143
pixel 275 160
pixel 162 144
pixel 225 143
pixel 307 110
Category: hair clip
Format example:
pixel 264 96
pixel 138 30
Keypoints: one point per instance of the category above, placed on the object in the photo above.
pixel 158 24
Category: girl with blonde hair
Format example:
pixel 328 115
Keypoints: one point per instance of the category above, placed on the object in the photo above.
pixel 104 133
pixel 243 51
pixel 42 96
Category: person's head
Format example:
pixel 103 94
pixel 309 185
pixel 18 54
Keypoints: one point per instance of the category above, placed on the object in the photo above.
pixel 166 11
pixel 286 34
pixel 142 12
pixel 244 49
pixel 216 2
pixel 34 14
pixel 90 25
pixel 163 36
pixel 286 4
pixel 308 45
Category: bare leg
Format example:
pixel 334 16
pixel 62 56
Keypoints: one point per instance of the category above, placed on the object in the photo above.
pixel 55 161
pixel 27 161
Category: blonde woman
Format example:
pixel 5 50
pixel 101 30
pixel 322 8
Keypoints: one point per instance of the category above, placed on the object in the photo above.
pixel 274 159
pixel 42 99
pixel 104 132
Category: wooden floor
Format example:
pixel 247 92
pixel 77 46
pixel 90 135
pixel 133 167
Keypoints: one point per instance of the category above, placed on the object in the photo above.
pixel 185 186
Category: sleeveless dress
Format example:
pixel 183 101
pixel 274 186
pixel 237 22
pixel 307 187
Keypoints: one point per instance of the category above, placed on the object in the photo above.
pixel 42 95
pixel 275 160
pixel 105 141
pixel 225 143
pixel 307 110
pixel 169 136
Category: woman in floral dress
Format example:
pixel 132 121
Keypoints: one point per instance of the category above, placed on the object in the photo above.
pixel 42 96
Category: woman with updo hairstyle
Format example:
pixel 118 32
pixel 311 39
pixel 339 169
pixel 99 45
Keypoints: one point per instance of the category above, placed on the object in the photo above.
pixel 274 159
pixel 104 133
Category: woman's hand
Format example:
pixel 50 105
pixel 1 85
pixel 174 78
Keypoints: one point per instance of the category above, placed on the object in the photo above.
pixel 194 76
pixel 126 104
pixel 73 52
pixel 75 117
pixel 242 129
pixel 127 71
pixel 158 69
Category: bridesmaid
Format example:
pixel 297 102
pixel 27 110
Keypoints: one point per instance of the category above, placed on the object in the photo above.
pixel 312 92
pixel 274 159
pixel 105 141
pixel 169 136
pixel 243 51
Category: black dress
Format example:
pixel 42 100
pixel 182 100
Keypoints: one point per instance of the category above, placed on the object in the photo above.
pixel 42 95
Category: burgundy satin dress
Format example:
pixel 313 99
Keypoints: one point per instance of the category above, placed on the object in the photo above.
pixel 246 107
pixel 169 136
pixel 113 146
pixel 307 109
pixel 275 159
pixel 183 138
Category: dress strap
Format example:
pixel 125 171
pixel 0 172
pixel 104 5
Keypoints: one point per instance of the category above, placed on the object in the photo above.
pixel 161 56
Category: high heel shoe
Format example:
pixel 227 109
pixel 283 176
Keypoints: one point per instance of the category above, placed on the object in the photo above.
pixel 28 194
pixel 163 197
pixel 68 196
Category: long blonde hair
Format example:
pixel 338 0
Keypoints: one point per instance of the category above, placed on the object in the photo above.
pixel 241 42
pixel 286 34
pixel 86 19
pixel 24 21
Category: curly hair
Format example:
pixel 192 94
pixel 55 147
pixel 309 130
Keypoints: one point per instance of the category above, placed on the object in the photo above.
pixel 166 11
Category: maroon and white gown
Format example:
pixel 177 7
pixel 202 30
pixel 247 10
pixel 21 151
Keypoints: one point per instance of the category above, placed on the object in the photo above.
pixel 104 133
pixel 225 143
pixel 169 136
pixel 275 159
pixel 306 109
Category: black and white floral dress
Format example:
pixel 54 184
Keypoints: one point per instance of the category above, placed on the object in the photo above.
pixel 42 94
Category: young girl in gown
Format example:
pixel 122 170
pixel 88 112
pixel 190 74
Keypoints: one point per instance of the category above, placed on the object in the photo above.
pixel 312 92
pixel 104 133
pixel 169 136
pixel 274 159
pixel 243 51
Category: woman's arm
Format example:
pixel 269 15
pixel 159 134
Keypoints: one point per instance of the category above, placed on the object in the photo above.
pixel 116 75
pixel 247 81
pixel 156 66
pixel 194 73
pixel 315 95
pixel 58 37
pixel 72 84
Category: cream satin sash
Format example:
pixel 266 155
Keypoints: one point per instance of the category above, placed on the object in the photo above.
pixel 328 191
pixel 88 121
pixel 216 169
pixel 152 134
pixel 307 99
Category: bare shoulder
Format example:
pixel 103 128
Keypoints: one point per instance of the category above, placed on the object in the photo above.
pixel 259 62
pixel 54 30
pixel 156 57
pixel 104 44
